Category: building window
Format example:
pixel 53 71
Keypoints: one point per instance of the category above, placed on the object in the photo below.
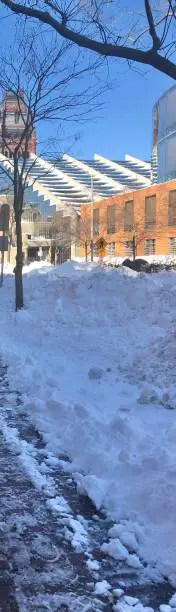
pixel 96 221
pixel 111 219
pixel 149 247
pixel 172 208
pixel 129 248
pixel 128 215
pixel 150 211
pixel 172 246
pixel 110 248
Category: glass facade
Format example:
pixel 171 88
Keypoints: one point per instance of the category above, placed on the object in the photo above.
pixel 164 137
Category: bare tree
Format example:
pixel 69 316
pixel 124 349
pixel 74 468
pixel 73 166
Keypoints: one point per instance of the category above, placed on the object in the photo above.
pixel 134 238
pixel 59 230
pixel 83 235
pixel 8 199
pixel 39 75
pixel 66 230
pixel 146 35
pixel 11 231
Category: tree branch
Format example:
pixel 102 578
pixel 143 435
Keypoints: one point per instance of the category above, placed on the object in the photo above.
pixel 152 30
pixel 150 57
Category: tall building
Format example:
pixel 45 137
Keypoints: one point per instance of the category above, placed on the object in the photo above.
pixel 164 137
pixel 13 117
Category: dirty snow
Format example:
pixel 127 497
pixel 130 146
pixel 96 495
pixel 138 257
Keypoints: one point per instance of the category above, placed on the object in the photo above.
pixel 118 426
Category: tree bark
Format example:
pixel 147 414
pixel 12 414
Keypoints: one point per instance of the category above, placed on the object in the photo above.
pixel 91 250
pixel 86 250
pixel 18 207
pixel 134 248
pixel 9 252
pixel 19 263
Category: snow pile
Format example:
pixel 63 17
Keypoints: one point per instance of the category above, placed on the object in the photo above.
pixel 118 259
pixel 94 353
pixel 132 604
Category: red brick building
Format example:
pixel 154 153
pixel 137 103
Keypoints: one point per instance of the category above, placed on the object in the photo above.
pixel 13 117
pixel 148 214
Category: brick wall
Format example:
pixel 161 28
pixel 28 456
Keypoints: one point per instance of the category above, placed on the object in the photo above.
pixel 160 232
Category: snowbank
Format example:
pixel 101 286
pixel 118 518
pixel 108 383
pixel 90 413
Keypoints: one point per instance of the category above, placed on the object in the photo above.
pixel 117 260
pixel 94 354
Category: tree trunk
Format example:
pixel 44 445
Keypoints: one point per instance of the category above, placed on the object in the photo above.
pixel 86 250
pixel 9 252
pixel 134 248
pixel 9 249
pixel 91 250
pixel 19 263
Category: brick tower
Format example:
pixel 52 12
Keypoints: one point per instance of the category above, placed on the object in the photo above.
pixel 13 112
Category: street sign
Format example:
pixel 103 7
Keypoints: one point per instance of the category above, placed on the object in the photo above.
pixel 3 243
pixel 101 247
pixel 4 217
pixel 101 244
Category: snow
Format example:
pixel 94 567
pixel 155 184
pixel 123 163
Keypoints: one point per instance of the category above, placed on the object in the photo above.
pixel 172 601
pixel 79 539
pixel 117 426
pixel 131 601
pixel 118 260
pixel 122 606
pixel 115 549
pixel 92 564
pixel 102 588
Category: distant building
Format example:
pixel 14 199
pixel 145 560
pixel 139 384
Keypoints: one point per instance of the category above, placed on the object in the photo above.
pixel 164 137
pixel 57 189
pixel 147 216
pixel 45 238
pixel 13 113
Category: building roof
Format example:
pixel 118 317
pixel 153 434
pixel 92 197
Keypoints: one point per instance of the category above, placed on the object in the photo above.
pixel 69 182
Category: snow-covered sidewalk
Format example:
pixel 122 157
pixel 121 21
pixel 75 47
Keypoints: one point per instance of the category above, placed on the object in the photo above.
pixel 93 353
pixel 39 570
pixel 51 555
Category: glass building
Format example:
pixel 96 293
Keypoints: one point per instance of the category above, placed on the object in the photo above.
pixel 164 137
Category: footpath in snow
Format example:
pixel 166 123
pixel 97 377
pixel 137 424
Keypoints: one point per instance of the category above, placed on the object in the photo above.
pixel 93 353
pixel 39 569
pixel 51 557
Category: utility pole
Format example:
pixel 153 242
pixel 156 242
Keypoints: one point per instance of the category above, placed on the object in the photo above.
pixel 91 212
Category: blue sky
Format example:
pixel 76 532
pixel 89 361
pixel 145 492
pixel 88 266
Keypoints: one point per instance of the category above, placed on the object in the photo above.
pixel 124 124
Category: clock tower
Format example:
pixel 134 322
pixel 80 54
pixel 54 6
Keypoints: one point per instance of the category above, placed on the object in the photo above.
pixel 13 118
